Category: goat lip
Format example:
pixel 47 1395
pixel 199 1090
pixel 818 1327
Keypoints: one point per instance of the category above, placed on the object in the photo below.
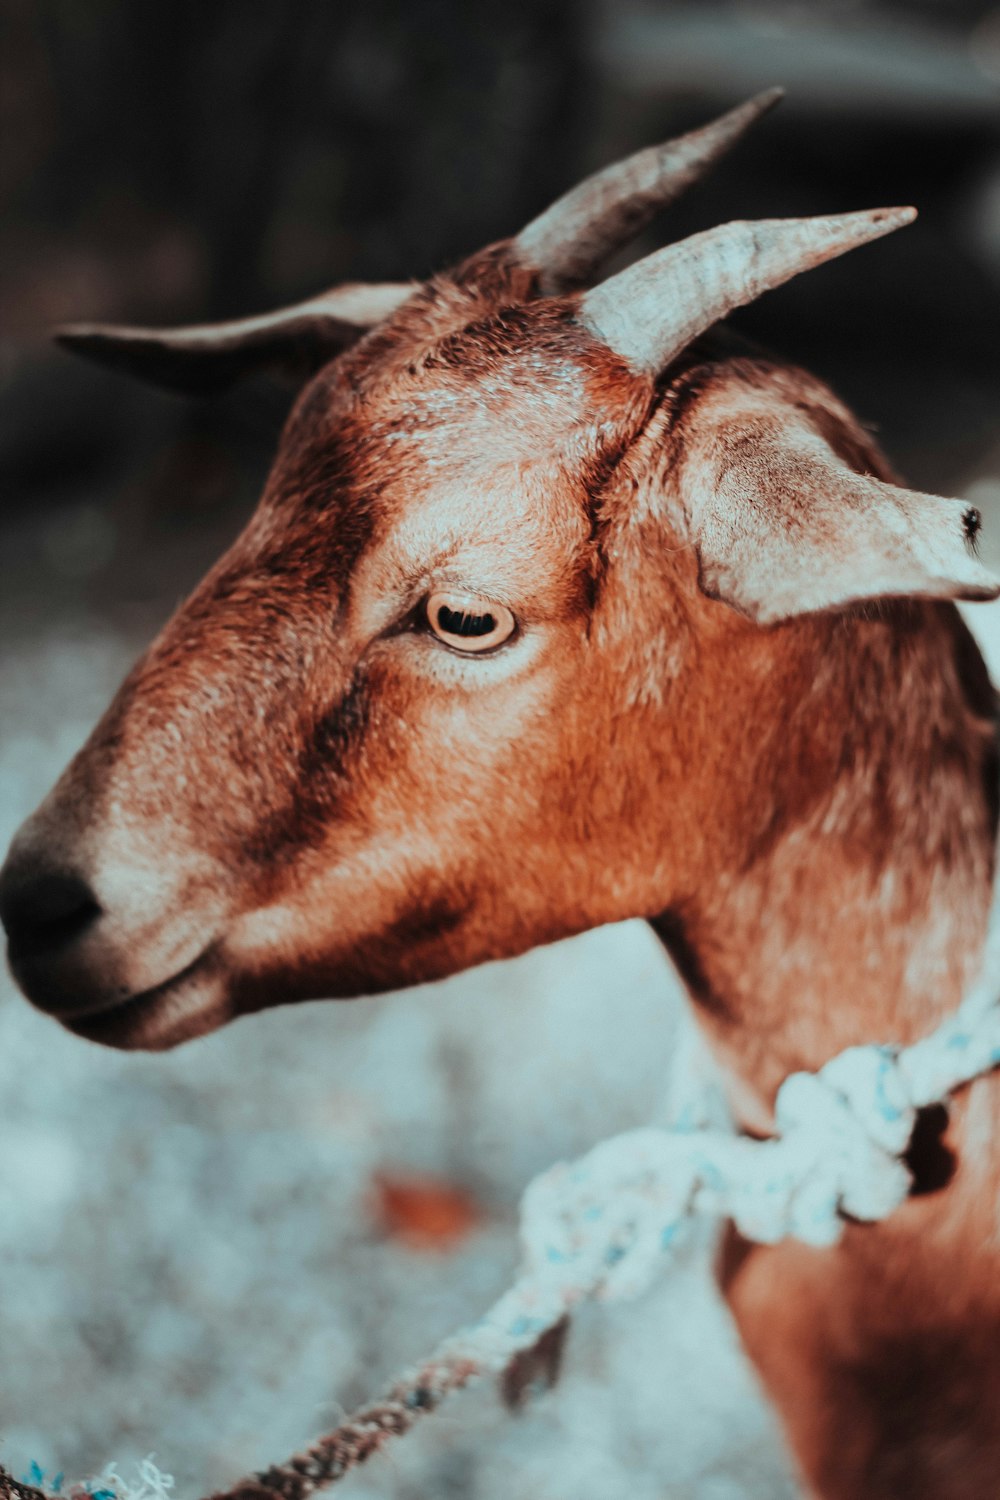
pixel 144 1019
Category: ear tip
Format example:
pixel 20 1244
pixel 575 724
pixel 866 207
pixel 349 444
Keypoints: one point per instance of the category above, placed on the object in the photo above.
pixel 145 354
pixel 986 592
pixel 83 338
pixel 69 333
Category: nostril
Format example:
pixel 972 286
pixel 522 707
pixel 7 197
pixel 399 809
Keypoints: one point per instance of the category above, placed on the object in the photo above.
pixel 44 908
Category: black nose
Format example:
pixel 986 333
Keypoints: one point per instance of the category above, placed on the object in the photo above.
pixel 43 908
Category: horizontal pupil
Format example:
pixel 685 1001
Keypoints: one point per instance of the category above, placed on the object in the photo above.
pixel 457 622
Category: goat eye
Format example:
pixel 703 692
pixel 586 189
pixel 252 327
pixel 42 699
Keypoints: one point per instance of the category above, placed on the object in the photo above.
pixel 469 623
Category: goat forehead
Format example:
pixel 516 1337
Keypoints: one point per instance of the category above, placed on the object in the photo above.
pixel 426 455
pixel 521 530
pixel 486 469
pixel 466 386
pixel 502 416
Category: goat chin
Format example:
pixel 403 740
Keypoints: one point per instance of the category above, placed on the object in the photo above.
pixel 193 1002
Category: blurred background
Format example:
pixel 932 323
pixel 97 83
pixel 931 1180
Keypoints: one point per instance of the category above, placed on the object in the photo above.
pixel 208 1254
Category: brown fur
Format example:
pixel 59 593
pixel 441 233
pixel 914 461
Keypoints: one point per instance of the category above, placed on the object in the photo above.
pixel 321 800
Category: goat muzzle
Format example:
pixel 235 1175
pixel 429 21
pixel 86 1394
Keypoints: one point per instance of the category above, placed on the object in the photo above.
pixel 116 957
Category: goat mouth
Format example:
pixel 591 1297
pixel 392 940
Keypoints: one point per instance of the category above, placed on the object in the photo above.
pixel 157 1018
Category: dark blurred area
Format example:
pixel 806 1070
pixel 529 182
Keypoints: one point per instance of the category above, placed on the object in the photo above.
pixel 180 160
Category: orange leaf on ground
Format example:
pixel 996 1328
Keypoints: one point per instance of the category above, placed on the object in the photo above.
pixel 425 1213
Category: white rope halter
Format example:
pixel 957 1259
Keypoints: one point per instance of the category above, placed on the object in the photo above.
pixel 605 1225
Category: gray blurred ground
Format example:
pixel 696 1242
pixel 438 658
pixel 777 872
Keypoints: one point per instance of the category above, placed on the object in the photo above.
pixel 190 1262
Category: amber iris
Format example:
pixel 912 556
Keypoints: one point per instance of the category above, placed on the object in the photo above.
pixel 468 623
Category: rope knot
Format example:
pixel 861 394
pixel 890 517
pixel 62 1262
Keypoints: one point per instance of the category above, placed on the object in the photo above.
pixel 846 1128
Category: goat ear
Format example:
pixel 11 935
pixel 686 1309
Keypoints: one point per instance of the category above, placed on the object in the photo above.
pixel 208 357
pixel 784 527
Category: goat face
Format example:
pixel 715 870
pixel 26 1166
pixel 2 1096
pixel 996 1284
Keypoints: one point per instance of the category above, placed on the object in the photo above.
pixel 311 785
pixel 413 718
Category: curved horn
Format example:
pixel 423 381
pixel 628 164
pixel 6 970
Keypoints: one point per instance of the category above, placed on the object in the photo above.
pixel 569 240
pixel 210 356
pixel 651 311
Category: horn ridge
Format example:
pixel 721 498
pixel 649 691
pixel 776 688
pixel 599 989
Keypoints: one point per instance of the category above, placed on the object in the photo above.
pixel 651 311
pixel 581 229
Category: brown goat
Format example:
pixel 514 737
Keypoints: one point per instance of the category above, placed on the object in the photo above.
pixel 562 606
